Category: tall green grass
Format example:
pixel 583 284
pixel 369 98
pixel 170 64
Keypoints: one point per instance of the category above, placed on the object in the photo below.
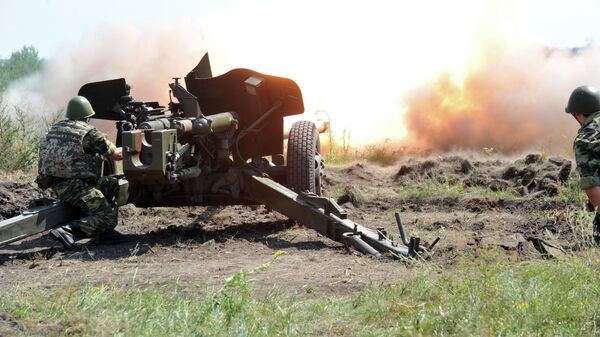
pixel 571 193
pixel 340 151
pixel 441 186
pixel 19 139
pixel 20 134
pixel 483 297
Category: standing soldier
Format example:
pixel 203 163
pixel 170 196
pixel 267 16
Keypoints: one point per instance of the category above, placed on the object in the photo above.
pixel 70 161
pixel 584 105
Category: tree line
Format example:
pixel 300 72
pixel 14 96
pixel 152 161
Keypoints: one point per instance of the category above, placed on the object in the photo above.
pixel 19 133
pixel 20 64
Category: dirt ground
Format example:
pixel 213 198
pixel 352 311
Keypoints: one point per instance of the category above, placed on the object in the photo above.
pixel 200 246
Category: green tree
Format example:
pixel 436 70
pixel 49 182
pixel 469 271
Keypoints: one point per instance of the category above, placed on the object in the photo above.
pixel 20 64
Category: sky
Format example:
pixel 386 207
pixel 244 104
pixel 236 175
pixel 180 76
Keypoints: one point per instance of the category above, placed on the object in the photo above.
pixel 50 24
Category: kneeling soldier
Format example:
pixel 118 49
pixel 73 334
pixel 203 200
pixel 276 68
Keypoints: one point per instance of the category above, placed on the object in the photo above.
pixel 69 163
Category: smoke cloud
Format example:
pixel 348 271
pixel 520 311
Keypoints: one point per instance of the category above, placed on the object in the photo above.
pixel 510 96
pixel 509 103
pixel 147 58
pixel 353 65
pixel 470 76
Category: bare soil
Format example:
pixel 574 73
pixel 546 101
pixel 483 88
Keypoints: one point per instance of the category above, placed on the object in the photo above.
pixel 202 246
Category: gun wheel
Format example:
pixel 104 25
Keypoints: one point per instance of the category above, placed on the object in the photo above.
pixel 303 158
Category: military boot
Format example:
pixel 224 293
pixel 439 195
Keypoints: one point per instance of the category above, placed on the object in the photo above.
pixel 68 234
pixel 109 237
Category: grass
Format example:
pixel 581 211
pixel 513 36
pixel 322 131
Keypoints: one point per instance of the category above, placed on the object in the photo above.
pixel 381 154
pixel 341 152
pixel 580 221
pixel 489 295
pixel 572 193
pixel 19 141
pixel 485 296
pixel 20 134
pixel 440 186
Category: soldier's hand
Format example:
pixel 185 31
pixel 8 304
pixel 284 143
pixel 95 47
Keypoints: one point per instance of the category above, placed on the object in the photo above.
pixel 118 155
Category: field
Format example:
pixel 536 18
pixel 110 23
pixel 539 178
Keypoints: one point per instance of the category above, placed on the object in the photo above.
pixel 514 258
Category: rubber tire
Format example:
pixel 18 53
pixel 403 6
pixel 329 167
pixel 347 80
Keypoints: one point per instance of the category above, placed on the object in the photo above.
pixel 304 164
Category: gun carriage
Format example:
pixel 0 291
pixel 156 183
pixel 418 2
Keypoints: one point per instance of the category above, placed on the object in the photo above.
pixel 219 141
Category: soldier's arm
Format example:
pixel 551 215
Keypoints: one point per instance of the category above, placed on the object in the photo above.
pixel 593 194
pixel 95 142
pixel 587 153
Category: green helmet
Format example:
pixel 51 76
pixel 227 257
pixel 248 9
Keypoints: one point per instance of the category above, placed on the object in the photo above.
pixel 79 108
pixel 584 100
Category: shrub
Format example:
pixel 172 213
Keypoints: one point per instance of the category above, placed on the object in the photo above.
pixel 19 139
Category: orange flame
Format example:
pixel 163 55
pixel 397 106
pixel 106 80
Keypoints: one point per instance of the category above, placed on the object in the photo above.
pixel 368 68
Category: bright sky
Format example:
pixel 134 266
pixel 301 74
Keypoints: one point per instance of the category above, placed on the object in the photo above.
pixel 50 24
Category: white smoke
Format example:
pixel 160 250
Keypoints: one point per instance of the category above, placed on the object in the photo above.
pixel 359 62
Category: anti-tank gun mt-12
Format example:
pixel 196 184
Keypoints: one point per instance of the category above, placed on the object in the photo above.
pixel 191 151
pixel 219 141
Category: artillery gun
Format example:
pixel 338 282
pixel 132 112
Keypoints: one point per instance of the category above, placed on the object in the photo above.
pixel 221 142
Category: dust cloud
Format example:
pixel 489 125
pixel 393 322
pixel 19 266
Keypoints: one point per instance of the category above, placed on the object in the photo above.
pixel 147 58
pixel 510 96
pixel 469 77
pixel 510 104
pixel 353 66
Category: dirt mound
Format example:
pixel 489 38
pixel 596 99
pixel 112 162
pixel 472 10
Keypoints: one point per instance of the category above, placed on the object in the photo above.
pixel 533 174
pixel 207 244
pixel 14 197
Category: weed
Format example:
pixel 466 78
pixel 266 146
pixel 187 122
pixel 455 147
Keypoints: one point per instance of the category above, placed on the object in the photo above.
pixel 341 152
pixel 19 137
pixel 488 151
pixel 571 194
pixel 442 186
pixel 489 295
pixel 580 221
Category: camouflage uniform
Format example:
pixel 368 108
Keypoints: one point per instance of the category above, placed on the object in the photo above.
pixel 587 151
pixel 587 156
pixel 69 154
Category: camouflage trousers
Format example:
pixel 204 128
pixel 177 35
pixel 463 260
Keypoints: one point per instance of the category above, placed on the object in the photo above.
pixel 95 201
